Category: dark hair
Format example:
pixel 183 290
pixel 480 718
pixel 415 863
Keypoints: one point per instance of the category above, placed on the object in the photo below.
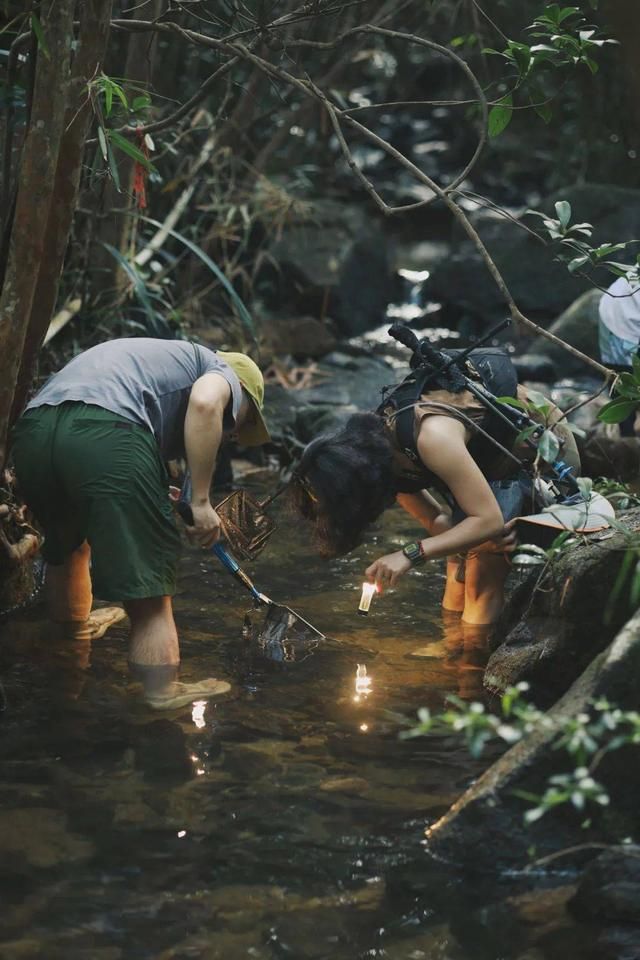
pixel 344 482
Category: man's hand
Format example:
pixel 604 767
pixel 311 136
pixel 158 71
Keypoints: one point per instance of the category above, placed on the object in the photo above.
pixel 386 571
pixel 507 541
pixel 206 527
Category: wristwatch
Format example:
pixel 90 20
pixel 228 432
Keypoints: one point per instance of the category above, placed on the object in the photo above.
pixel 414 553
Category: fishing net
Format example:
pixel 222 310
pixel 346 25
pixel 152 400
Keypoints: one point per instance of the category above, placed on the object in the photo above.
pixel 282 634
pixel 245 524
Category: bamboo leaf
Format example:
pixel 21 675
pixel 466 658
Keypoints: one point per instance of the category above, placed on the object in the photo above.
pixel 130 149
pixel 138 285
pixel 243 313
pixel 102 140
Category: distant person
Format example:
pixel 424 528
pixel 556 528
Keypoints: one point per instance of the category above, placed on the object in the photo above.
pixel 90 454
pixel 619 332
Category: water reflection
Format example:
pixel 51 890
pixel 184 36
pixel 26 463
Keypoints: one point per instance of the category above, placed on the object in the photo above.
pixel 198 710
pixel 292 794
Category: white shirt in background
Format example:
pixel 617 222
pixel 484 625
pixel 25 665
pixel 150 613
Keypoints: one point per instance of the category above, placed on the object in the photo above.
pixel 620 310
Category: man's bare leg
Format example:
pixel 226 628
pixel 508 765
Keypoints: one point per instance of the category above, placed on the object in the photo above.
pixel 484 587
pixel 154 656
pixel 69 599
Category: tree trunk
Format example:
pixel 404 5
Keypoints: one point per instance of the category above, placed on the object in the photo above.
pixel 95 18
pixel 35 194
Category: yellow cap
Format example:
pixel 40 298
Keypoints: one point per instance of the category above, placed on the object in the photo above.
pixel 254 431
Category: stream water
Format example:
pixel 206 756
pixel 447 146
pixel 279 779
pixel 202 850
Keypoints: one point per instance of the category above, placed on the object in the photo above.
pixel 285 820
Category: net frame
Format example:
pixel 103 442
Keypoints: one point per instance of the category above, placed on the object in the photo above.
pixel 245 524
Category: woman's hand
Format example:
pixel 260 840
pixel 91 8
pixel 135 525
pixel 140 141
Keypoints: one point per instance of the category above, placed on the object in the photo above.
pixel 206 527
pixel 507 541
pixel 386 571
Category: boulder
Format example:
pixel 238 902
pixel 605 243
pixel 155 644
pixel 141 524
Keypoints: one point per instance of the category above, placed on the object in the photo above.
pixel 299 337
pixel 348 384
pixel 609 889
pixel 485 830
pixel 335 263
pixel 614 457
pixel 577 326
pixel 541 287
pixel 551 628
pixel 536 367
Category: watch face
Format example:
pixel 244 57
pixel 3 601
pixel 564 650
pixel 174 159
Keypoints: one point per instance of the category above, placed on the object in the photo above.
pixel 411 552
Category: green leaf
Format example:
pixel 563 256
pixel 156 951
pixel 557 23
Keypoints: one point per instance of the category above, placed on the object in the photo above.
pixel 215 269
pixel 578 262
pixel 563 209
pixel 617 410
pixel 526 433
pixel 102 140
pixel 544 111
pixel 141 103
pixel 36 26
pixel 500 116
pixel 120 94
pixel 129 148
pixel 512 402
pixel 138 285
pixel 548 446
pixel 108 98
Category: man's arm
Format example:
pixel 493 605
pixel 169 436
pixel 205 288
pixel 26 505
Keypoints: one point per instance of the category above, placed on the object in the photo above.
pixel 203 429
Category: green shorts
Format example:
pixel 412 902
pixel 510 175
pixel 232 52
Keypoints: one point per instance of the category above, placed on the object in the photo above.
pixel 88 474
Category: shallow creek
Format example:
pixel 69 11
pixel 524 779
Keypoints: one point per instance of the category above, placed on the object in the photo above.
pixel 285 820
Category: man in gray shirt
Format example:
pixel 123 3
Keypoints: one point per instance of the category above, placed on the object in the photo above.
pixel 90 453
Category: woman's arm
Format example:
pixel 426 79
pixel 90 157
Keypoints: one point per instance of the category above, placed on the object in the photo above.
pixel 442 446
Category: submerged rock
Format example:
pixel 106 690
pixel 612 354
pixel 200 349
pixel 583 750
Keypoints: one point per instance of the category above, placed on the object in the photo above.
pixel 344 785
pixel 41 837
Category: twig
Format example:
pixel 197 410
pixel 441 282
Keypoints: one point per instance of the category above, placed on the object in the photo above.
pixel 578 848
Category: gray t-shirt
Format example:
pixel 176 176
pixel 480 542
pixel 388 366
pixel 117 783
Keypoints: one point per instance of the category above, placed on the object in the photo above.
pixel 145 380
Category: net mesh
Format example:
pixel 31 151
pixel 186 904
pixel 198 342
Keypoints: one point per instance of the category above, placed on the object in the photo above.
pixel 245 524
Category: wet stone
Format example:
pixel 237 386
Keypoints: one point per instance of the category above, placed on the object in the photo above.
pixel 609 889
